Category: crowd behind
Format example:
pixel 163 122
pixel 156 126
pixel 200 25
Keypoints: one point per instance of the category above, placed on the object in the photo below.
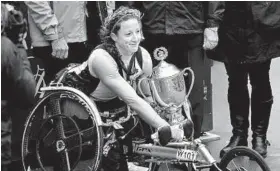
pixel 245 36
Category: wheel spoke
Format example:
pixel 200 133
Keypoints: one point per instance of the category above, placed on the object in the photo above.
pixel 89 134
pixel 234 163
pixel 64 161
pixel 49 138
pixel 74 141
pixel 244 164
pixel 243 159
pixel 59 128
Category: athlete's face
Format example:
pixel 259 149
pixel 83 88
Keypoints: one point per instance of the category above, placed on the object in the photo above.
pixel 128 36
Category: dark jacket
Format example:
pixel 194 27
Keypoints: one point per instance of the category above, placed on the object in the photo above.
pixel 179 17
pixel 249 33
pixel 18 84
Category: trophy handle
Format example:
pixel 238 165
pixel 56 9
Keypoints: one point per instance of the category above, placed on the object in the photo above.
pixel 156 95
pixel 192 80
pixel 140 89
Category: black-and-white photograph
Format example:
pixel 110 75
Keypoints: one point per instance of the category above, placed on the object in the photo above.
pixel 140 85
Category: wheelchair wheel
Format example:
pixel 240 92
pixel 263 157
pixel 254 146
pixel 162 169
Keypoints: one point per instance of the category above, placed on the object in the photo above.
pixel 62 133
pixel 243 159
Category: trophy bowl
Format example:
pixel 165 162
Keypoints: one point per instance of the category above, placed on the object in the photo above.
pixel 167 83
pixel 171 89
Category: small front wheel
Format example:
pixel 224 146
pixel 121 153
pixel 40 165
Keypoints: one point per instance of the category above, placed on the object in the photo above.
pixel 243 159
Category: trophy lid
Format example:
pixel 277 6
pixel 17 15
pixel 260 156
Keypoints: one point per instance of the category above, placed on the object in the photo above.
pixel 163 69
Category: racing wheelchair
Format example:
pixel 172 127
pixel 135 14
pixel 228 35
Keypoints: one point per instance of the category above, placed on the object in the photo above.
pixel 72 138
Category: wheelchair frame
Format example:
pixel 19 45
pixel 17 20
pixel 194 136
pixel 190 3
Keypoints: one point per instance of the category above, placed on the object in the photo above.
pixel 177 152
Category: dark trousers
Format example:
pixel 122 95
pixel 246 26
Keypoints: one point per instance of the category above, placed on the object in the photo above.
pixel 184 51
pixel 77 53
pixel 18 117
pixel 238 93
pixel 12 152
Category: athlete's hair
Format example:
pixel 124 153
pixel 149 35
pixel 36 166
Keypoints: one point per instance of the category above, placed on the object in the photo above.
pixel 112 25
pixel 113 21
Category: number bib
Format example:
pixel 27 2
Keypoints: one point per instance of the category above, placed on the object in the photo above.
pixel 185 154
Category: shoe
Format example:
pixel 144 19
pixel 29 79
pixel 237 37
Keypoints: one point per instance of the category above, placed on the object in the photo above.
pixel 259 144
pixel 260 121
pixel 235 140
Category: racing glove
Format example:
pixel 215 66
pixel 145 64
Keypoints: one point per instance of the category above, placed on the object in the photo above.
pixel 176 132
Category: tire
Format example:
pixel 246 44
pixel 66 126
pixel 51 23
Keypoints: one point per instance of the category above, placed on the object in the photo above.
pixel 62 133
pixel 243 157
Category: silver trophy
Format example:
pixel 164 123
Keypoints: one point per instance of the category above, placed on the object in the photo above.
pixel 167 87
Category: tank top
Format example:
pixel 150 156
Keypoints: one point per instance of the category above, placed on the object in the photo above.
pixel 87 83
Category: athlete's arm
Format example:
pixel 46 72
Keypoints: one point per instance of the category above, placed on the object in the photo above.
pixel 106 70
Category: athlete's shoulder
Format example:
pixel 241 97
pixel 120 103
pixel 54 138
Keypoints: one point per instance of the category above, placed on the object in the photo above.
pixel 145 53
pixel 99 52
pixel 100 59
pixel 147 61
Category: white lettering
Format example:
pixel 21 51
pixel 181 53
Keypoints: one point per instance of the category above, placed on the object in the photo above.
pixel 184 154
pixel 138 149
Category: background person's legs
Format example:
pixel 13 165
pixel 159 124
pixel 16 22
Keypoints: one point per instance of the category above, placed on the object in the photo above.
pixel 77 54
pixel 238 99
pixel 51 65
pixel 261 103
pixel 196 62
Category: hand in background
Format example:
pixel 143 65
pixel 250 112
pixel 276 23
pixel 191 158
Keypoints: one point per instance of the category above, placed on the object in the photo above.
pixel 60 48
pixel 210 38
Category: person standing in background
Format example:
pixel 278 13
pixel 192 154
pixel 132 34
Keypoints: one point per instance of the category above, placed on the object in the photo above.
pixel 249 39
pixel 184 29
pixel 18 84
pixel 97 12
pixel 58 33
